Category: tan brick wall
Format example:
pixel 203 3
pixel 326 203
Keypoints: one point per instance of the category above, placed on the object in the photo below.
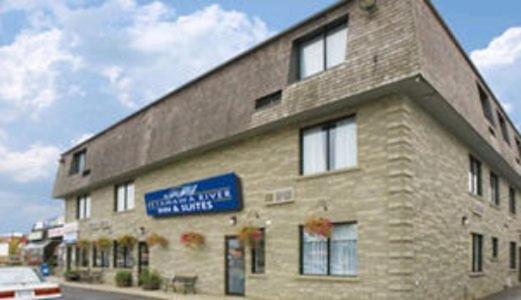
pixel 269 162
pixel 442 252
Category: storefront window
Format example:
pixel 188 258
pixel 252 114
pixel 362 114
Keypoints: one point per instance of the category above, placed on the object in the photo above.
pixel 258 255
pixel 336 255
pixel 100 257
pixel 123 256
pixel 84 257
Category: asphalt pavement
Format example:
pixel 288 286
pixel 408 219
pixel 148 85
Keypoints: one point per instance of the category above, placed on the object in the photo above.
pixel 72 293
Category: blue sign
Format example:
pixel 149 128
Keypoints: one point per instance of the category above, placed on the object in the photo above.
pixel 210 195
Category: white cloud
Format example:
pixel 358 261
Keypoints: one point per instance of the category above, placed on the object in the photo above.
pixel 502 51
pixel 141 51
pixel 37 162
pixel 500 63
pixel 29 70
pixel 81 138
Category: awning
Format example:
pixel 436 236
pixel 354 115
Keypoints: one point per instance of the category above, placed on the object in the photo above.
pixel 37 245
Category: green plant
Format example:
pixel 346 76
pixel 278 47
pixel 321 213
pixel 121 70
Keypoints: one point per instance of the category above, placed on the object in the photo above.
pixel 127 241
pixel 71 275
pixel 155 239
pixel 82 244
pixel 103 243
pixel 123 279
pixel 150 280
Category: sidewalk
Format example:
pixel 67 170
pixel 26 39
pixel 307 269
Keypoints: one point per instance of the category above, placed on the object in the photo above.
pixel 136 291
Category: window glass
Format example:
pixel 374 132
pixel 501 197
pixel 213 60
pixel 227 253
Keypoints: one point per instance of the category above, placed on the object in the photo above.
pixel 494 188
pixel 495 247
pixel 312 57
pixel 336 47
pixel 504 129
pixel 258 255
pixel 477 254
pixel 315 254
pixel 513 252
pixel 120 198
pixel 512 200
pixel 130 196
pixel 343 145
pixel 475 177
pixel 344 258
pixel 314 150
pixel 87 207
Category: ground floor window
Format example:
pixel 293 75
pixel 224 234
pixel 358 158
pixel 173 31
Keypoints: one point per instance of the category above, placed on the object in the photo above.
pixel 336 255
pixel 100 257
pixel 495 247
pixel 513 256
pixel 477 252
pixel 258 255
pixel 122 256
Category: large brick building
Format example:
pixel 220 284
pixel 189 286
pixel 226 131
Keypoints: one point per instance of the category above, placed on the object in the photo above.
pixel 374 119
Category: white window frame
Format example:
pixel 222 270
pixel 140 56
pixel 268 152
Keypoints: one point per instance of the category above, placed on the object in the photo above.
pixel 84 206
pixel 321 40
pixel 128 200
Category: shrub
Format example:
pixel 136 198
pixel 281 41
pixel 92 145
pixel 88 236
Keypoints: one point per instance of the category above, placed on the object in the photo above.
pixel 150 280
pixel 71 275
pixel 124 279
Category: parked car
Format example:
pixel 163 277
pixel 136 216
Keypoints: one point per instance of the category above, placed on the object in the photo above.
pixel 26 283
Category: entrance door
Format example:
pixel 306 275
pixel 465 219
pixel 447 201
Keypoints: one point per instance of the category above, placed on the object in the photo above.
pixel 143 257
pixel 68 258
pixel 235 272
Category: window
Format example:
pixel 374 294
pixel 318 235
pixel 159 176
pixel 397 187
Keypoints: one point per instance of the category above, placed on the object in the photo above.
pixel 504 129
pixel 323 51
pixel 331 146
pixel 518 146
pixel 335 256
pixel 84 257
pixel 258 261
pixel 512 200
pixel 100 257
pixel 269 100
pixel 122 256
pixel 477 252
pixel 485 105
pixel 78 162
pixel 475 187
pixel 125 198
pixel 513 255
pixel 494 188
pixel 495 247
pixel 83 207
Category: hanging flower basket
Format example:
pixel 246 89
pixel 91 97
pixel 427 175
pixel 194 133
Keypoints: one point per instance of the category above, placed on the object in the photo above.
pixel 319 227
pixel 127 241
pixel 155 239
pixel 192 240
pixel 82 244
pixel 249 236
pixel 103 243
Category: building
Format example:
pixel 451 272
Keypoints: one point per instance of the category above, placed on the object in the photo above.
pixel 44 242
pixel 373 118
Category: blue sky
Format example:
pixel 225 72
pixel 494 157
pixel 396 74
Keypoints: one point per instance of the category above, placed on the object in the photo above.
pixel 68 69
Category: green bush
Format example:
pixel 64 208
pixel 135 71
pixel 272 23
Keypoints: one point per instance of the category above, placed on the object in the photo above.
pixel 71 275
pixel 124 279
pixel 150 280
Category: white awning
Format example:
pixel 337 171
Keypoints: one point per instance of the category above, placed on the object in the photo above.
pixel 37 245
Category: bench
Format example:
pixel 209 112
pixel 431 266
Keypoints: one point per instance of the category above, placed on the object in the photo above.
pixel 91 276
pixel 187 282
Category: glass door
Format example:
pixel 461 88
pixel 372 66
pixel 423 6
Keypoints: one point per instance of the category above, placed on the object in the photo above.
pixel 235 272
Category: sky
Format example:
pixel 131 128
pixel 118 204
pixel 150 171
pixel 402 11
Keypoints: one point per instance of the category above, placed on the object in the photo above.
pixel 69 69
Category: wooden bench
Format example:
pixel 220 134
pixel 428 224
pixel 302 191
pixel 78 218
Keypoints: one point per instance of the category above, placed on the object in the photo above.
pixel 91 276
pixel 187 282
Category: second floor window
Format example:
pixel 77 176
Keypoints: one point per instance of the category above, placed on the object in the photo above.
pixel 83 207
pixel 323 51
pixel 512 200
pixel 125 198
pixel 475 186
pixel 78 162
pixel 328 147
pixel 494 188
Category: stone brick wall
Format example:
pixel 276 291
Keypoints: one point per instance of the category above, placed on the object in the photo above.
pixel 368 194
pixel 442 244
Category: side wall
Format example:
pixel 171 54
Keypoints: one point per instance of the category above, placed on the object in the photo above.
pixel 374 194
pixel 441 199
